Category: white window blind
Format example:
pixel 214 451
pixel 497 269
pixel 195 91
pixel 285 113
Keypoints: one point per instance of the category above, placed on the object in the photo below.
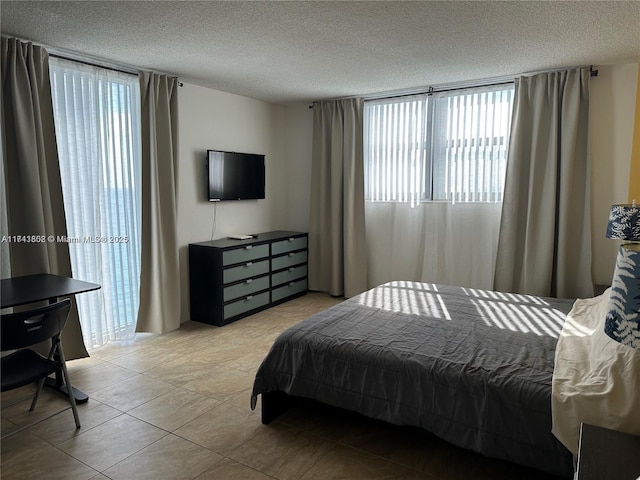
pixel 448 146
pixel 97 116
pixel 396 150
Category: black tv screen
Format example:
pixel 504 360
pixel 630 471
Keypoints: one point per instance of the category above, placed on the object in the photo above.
pixel 235 176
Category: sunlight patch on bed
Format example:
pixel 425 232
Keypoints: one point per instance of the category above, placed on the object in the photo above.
pixel 505 297
pixel 507 311
pixel 404 298
pixel 537 319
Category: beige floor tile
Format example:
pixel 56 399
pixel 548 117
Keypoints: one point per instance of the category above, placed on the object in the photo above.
pixel 174 409
pixel 181 371
pixel 17 394
pixel 62 427
pixel 145 359
pixel 169 458
pixel 113 441
pixel 222 383
pixel 81 364
pixel 49 403
pixel 242 400
pixel 222 429
pixel 324 421
pixel 404 445
pixel 342 462
pixel 281 451
pixel 132 392
pixel 27 457
pixel 229 470
pixel 220 353
pixel 189 338
pixel 7 426
pixel 118 348
pixel 100 376
pixel 19 445
pixel 252 357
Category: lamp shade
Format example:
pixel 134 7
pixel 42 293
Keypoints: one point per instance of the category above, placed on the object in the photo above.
pixel 622 321
pixel 624 222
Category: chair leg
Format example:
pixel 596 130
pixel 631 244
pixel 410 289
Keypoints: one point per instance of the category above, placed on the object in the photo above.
pixel 72 399
pixel 35 397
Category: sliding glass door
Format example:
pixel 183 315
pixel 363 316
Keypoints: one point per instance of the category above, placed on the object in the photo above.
pixel 97 115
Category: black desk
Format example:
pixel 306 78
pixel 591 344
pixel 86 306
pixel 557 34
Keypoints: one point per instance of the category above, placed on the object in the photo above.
pixel 39 287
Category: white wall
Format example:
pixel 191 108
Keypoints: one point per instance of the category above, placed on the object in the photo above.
pixel 612 107
pixel 209 119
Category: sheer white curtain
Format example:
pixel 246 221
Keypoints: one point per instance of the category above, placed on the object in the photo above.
pixel 97 116
pixel 434 175
pixel 434 242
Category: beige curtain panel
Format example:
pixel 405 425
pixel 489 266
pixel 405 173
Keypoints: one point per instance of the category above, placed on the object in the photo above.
pixel 544 246
pixel 337 251
pixel 33 190
pixel 160 276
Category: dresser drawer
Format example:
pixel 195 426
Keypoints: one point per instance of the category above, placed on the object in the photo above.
pixel 248 270
pixel 288 290
pixel 246 304
pixel 244 254
pixel 288 275
pixel 246 288
pixel 289 245
pixel 289 260
pixel 230 279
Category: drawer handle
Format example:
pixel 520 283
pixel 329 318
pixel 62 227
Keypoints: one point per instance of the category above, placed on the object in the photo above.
pixel 291 284
pixel 291 269
pixel 248 264
pixel 249 280
pixel 248 298
pixel 291 254
pixel 291 239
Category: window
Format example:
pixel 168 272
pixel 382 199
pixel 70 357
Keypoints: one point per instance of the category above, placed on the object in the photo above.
pixel 446 146
pixel 97 116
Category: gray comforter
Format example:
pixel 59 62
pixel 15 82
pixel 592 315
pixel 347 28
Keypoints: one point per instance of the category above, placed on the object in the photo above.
pixel 473 367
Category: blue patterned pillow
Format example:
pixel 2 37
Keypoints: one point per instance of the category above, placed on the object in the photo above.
pixel 622 322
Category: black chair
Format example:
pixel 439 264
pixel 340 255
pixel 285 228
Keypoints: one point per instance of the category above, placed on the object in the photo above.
pixel 23 365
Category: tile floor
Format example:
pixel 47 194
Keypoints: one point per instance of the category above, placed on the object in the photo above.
pixel 176 406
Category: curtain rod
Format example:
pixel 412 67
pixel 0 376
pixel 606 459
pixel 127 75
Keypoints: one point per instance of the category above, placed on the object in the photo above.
pixel 489 82
pixel 85 59
pixel 453 87
pixel 99 65
pixel 430 90
pixel 94 64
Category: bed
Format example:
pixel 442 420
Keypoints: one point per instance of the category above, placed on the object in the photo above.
pixel 473 367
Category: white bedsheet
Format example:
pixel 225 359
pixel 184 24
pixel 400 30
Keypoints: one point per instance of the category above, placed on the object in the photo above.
pixel 596 380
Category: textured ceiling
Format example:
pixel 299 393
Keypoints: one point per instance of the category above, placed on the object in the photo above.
pixel 292 51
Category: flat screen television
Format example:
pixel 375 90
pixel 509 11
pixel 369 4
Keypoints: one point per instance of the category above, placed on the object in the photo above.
pixel 235 176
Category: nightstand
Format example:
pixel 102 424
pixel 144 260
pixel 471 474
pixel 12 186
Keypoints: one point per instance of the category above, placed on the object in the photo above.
pixel 607 454
pixel 599 289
